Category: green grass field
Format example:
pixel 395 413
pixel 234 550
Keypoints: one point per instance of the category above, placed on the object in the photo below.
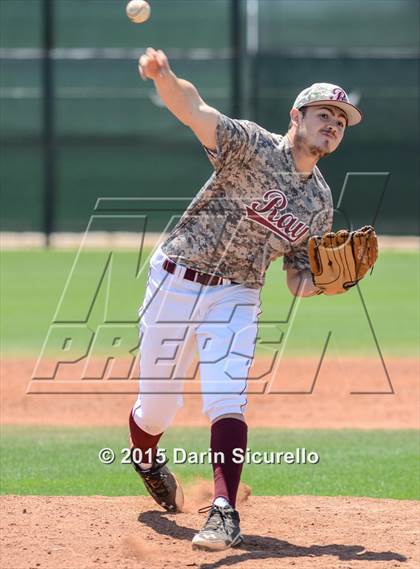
pixel 32 283
pixel 64 461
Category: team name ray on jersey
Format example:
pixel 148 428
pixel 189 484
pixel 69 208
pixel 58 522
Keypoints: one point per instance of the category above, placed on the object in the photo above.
pixel 271 212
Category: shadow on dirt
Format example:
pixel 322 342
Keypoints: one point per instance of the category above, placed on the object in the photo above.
pixel 258 547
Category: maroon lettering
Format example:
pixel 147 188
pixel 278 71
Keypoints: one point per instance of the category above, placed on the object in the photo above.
pixel 285 224
pixel 299 231
pixel 286 221
pixel 278 200
pixel 338 95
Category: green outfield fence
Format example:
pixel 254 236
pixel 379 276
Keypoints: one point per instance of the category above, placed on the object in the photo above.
pixel 77 123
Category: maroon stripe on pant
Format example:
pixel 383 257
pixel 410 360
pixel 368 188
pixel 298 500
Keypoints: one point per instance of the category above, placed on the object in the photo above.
pixel 226 435
pixel 143 441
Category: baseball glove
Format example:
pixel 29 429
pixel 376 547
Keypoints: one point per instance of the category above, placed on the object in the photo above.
pixel 340 260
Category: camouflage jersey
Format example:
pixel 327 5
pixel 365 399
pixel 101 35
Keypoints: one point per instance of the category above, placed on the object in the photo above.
pixel 253 209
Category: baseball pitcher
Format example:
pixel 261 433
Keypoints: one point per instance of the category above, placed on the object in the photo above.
pixel 265 199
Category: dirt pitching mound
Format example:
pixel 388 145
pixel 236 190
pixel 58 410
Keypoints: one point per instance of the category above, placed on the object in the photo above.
pixel 131 533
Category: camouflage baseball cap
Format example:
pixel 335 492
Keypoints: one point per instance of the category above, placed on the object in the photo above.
pixel 322 93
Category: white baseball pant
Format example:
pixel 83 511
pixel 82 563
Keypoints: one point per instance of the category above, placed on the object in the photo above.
pixel 179 318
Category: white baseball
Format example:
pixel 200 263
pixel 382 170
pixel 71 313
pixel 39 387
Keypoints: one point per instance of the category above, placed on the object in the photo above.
pixel 138 11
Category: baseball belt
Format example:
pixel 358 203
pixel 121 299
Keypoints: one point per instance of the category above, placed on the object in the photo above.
pixel 195 276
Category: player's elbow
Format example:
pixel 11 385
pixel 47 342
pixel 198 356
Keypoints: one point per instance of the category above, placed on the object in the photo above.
pixel 296 290
pixel 303 292
pixel 293 282
pixel 291 285
pixel 300 284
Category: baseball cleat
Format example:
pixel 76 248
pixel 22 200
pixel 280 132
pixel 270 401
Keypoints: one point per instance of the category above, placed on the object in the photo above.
pixel 220 531
pixel 162 486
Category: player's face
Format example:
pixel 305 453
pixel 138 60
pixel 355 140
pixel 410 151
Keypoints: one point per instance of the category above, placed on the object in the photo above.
pixel 321 129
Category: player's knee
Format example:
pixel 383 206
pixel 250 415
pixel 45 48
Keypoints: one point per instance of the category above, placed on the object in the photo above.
pixel 149 427
pixel 238 416
pixel 220 409
pixel 151 422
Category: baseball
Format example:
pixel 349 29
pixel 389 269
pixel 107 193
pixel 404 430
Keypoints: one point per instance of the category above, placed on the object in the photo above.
pixel 138 11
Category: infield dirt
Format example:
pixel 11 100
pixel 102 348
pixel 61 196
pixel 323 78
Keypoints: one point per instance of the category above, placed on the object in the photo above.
pixel 332 403
pixel 130 533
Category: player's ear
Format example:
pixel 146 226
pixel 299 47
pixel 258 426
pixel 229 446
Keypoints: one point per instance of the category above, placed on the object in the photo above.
pixel 294 117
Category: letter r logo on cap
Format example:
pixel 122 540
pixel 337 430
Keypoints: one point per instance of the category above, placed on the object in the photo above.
pixel 338 95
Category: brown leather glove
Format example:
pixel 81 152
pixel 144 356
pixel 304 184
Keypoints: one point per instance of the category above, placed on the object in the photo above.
pixel 340 260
